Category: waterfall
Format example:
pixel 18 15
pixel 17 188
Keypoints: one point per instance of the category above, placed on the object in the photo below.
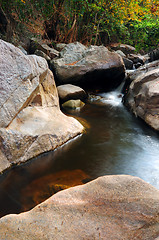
pixel 114 97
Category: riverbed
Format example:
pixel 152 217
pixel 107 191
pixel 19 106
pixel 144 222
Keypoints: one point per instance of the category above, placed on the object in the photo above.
pixel 115 142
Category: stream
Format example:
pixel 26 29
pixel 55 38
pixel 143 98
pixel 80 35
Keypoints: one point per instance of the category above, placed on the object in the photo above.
pixel 116 142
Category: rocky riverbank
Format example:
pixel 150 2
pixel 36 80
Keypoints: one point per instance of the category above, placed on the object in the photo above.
pixel 31 122
pixel 30 118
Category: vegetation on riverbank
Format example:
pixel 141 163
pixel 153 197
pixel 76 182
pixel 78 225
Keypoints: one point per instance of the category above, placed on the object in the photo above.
pixel 133 22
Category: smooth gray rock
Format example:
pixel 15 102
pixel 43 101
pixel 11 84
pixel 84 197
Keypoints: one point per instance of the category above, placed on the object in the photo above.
pixel 120 53
pixel 68 91
pixel 88 67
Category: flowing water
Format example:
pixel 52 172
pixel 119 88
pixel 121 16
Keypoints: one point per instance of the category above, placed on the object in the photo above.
pixel 115 143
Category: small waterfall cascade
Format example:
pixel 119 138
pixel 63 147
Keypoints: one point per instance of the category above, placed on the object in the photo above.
pixel 114 97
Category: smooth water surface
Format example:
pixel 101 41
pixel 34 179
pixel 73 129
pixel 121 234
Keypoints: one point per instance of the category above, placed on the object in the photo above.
pixel 115 143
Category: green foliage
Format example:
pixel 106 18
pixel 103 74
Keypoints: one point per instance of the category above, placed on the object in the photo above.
pixel 93 21
pixel 145 34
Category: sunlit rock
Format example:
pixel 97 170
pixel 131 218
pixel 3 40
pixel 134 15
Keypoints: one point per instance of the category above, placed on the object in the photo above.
pixel 110 207
pixel 30 118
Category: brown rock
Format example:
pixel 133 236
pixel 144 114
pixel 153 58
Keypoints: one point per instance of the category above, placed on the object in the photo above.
pixel 111 207
pixel 137 58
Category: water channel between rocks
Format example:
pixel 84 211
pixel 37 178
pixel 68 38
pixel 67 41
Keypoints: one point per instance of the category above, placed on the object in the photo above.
pixel 115 143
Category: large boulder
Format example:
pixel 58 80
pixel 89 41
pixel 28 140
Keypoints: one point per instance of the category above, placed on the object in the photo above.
pixel 143 95
pixel 88 67
pixel 30 118
pixel 110 207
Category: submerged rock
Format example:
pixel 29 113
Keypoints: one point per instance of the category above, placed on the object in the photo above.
pixel 44 187
pixel 73 104
pixel 110 207
pixel 88 67
pixel 30 118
